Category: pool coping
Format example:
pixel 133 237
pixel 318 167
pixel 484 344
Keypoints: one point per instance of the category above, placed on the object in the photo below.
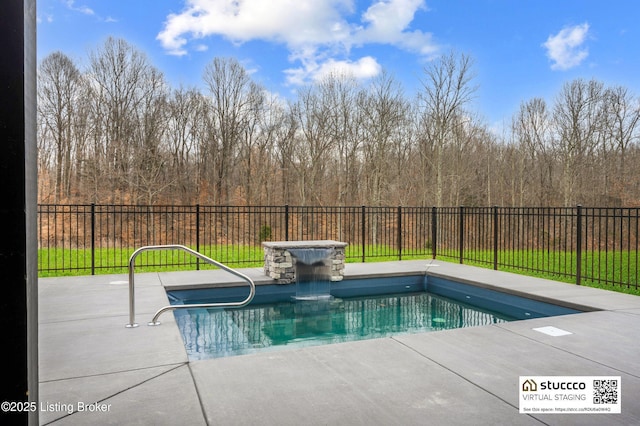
pixel 582 298
pixel 86 354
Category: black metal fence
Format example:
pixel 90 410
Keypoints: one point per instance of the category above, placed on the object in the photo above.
pixel 572 243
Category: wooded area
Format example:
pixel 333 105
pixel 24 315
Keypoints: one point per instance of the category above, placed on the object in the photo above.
pixel 115 132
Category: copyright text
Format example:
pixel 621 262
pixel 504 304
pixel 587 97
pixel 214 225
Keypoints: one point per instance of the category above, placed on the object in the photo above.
pixel 55 407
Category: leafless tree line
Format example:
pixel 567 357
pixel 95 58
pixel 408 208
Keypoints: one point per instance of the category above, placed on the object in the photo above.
pixel 116 132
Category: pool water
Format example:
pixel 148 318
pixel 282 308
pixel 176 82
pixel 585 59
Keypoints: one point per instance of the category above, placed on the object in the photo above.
pixel 215 333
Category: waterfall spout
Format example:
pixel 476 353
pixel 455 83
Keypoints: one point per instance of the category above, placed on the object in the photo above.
pixel 313 272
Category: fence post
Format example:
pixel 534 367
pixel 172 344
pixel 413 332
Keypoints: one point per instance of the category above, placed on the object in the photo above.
pixel 434 231
pixel 399 232
pixel 363 232
pixel 198 235
pixel 495 238
pixel 286 222
pixel 578 244
pixel 93 239
pixel 461 233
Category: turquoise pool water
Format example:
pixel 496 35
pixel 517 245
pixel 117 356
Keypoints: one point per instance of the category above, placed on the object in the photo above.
pixel 358 309
pixel 214 333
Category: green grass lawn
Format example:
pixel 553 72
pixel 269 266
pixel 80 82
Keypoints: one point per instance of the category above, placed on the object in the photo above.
pixel 608 270
pixel 68 262
pixel 601 269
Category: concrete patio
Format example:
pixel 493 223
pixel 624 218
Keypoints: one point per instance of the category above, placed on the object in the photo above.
pixel 116 375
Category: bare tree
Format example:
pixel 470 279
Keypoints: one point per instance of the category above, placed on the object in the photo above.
pixel 116 132
pixel 284 151
pixel 149 175
pixel 532 129
pixel 58 92
pixel 231 95
pixel 272 118
pixel 184 115
pixel 256 142
pixel 314 143
pixel 464 162
pixel 123 85
pixel 578 115
pixel 385 139
pixel 339 94
pixel 622 129
pixel 447 90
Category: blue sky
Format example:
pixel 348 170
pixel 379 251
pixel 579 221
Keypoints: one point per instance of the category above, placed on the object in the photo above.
pixel 521 48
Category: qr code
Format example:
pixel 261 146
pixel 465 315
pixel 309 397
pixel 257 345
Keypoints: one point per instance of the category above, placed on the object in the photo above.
pixel 605 391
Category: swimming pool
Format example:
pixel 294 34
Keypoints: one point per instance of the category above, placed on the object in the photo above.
pixel 359 309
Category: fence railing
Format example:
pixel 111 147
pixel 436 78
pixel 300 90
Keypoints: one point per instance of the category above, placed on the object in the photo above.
pixel 573 243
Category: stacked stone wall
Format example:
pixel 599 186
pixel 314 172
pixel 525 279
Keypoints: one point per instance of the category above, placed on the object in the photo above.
pixel 279 264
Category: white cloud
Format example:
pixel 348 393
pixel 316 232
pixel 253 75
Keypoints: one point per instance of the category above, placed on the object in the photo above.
pixel 366 67
pixel 387 22
pixel 565 49
pixel 82 9
pixel 86 10
pixel 363 68
pixel 294 22
pixel 48 18
pixel 318 34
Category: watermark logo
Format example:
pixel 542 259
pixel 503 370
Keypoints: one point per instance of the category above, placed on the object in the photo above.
pixel 529 385
pixel 569 394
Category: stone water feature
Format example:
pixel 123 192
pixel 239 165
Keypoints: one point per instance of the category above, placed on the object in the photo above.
pixel 312 265
pixel 283 258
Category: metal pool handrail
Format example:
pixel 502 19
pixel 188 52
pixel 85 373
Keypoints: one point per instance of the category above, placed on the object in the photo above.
pixel 154 321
